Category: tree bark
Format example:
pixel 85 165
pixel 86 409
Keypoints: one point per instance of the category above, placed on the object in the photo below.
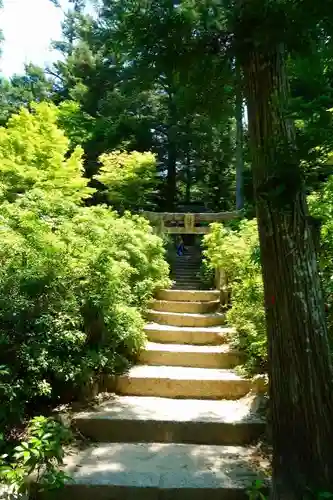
pixel 300 368
pixel 239 139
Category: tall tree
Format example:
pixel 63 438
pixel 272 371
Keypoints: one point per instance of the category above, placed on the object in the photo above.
pixel 21 90
pixel 301 372
pixel 1 34
pixel 239 137
pixel 137 70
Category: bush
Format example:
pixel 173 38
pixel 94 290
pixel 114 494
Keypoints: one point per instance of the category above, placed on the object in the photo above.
pixel 130 179
pixel 40 453
pixel 236 251
pixel 74 280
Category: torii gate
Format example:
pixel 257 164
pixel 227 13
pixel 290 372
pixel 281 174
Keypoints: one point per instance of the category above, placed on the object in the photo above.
pixel 187 223
pixel 191 223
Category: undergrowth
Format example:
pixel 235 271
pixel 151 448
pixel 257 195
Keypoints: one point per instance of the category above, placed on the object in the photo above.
pixel 236 251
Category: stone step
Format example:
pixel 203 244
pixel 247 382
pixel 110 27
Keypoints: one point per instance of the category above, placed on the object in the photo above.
pixel 141 420
pixel 185 307
pixel 182 382
pixel 184 274
pixel 187 276
pixel 193 282
pixel 186 265
pixel 187 335
pixel 158 471
pixel 186 319
pixel 189 296
pixel 190 264
pixel 187 260
pixel 218 356
pixel 184 286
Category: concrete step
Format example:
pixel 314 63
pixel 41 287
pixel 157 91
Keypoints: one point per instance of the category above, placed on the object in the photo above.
pixel 185 307
pixel 186 262
pixel 186 319
pixel 186 265
pixel 190 264
pixel 193 282
pixel 140 419
pixel 185 273
pixel 188 335
pixel 182 382
pixel 184 286
pixel 158 471
pixel 218 356
pixel 188 296
pixel 186 276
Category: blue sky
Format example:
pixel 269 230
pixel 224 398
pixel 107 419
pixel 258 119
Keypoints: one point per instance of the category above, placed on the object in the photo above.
pixel 28 27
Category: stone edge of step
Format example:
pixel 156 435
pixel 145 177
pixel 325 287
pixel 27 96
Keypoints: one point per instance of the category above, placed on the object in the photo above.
pixel 228 411
pixel 190 348
pixel 185 302
pixel 185 373
pixel 194 315
pixel 206 329
pixel 177 476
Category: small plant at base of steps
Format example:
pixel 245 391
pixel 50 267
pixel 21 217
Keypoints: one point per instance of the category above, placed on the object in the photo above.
pixel 255 492
pixel 39 456
pixel 258 486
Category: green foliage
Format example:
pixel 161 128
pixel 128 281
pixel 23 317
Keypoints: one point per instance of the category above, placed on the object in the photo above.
pixel 145 90
pixel 33 156
pixel 255 492
pixel 257 489
pixel 129 178
pixel 321 207
pixel 77 125
pixel 73 279
pixel 236 251
pixel 21 90
pixel 38 455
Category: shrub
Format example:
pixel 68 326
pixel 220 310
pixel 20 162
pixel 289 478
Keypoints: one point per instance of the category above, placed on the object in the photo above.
pixel 129 179
pixel 236 251
pixel 74 280
pixel 33 155
pixel 70 298
pixel 40 453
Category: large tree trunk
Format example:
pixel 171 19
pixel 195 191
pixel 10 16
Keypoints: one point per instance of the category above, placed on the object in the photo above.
pixel 301 391
pixel 239 139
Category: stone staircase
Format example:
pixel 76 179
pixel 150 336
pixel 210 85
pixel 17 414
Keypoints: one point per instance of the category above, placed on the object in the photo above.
pixel 185 269
pixel 182 423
